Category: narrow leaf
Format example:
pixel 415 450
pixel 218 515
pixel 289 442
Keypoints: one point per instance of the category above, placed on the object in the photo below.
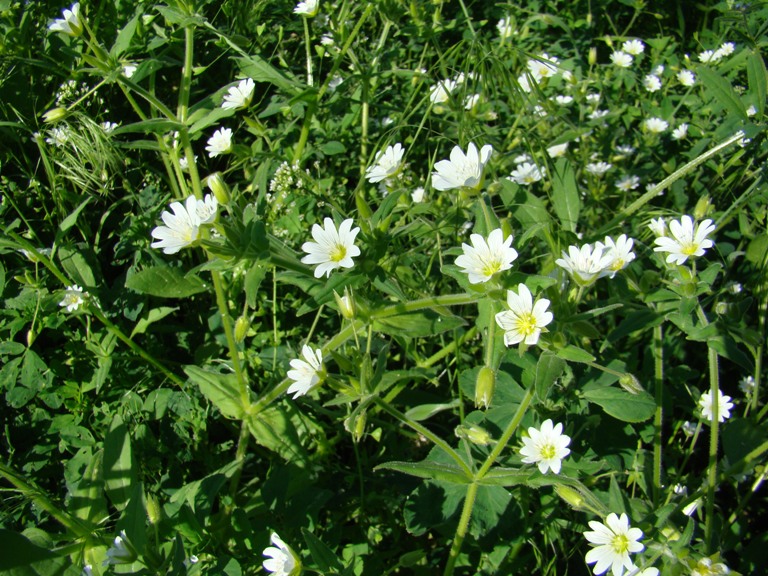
pixel 222 390
pixel 428 470
pixel 548 370
pixel 623 405
pixel 119 473
pixel 565 195
pixel 165 282
pixel 722 90
pixel 575 354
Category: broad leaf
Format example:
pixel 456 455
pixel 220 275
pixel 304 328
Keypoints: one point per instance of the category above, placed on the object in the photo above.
pixel 166 282
pixel 621 404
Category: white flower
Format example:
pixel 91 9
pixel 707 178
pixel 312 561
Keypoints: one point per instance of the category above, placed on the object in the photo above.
pixel 485 258
pixel 709 56
pixel 618 254
pixel 418 195
pixel 593 98
pixel 751 111
pixel 526 174
pixel 442 91
pixel 220 142
pixel 386 164
pixel 625 149
pixel 239 96
pixel 598 168
pixel 87 570
pixel 281 560
pixel 58 136
pixel 563 100
pixel 307 8
pixel 597 114
pixel 73 298
pixel 525 320
pixel 585 264
pixel 651 83
pixel 655 125
pixel 505 28
pixel 658 226
pixel 686 78
pixel 522 158
pixel 614 540
pixel 747 384
pixel 680 132
pixel 119 552
pixel 621 59
pixel 71 23
pixel 633 47
pixel 129 70
pixel 628 183
pixel 724 406
pixel 332 248
pixel 687 240
pixel 471 101
pixel 462 170
pixel 689 428
pixel 545 66
pixel 658 70
pixel 546 447
pixel 182 228
pixel 705 567
pixel 307 373
pixel 108 127
pixel 726 49
pixel 647 572
pixel 557 150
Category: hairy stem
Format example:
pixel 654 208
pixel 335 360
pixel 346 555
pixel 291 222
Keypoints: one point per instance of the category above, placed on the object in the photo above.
pixel 658 381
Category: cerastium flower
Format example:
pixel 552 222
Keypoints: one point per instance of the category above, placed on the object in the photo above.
pixel 525 320
pixel 386 164
pixel 546 447
pixel 462 170
pixel 614 540
pixel 182 228
pixel 70 24
pixel 687 239
pixel 73 298
pixel 307 373
pixel 332 248
pixel 239 96
pixel 724 406
pixel 281 560
pixel 486 257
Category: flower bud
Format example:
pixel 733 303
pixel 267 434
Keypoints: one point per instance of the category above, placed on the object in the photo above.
pixel 630 383
pixel 241 328
pixel 572 497
pixel 219 188
pixel 484 387
pixel 355 425
pixel 345 303
pixel 702 207
pixel 54 115
pixel 154 513
pixel 473 433
pixel 592 58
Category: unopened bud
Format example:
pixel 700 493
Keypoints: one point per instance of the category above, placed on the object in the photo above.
pixel 474 434
pixel 630 383
pixel 484 387
pixel 241 328
pixel 345 303
pixel 592 58
pixel 702 207
pixel 54 115
pixel 154 512
pixel 571 497
pixel 355 425
pixel 219 188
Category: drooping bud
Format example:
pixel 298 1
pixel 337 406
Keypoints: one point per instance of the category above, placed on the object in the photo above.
pixel 241 328
pixel 571 497
pixel 702 207
pixel 54 115
pixel 345 303
pixel 154 512
pixel 473 433
pixel 484 387
pixel 630 383
pixel 219 188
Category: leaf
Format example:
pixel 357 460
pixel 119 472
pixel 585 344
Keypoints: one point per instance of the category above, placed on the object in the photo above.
pixel 430 470
pixel 490 504
pixel 506 477
pixel 325 559
pixel 722 90
pixel 432 504
pixel 565 195
pixel 221 390
pixel 758 81
pixel 417 324
pixel 253 279
pixel 548 370
pixel 124 37
pixel 119 473
pixel 87 501
pixel 77 267
pixel 152 126
pixel 425 411
pixel 621 404
pixel 71 219
pixel 332 148
pixel 154 315
pixel 262 71
pixel 575 354
pixel 281 428
pixel 17 551
pixel 165 282
pixel 741 437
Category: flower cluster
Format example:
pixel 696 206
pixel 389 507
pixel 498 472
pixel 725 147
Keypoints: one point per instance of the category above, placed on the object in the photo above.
pixel 182 226
pixel 588 263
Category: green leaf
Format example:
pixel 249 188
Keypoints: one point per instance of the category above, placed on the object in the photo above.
pixel 281 428
pixel 490 504
pixel 222 390
pixel 87 501
pixel 758 81
pixel 77 267
pixel 261 71
pixel 165 282
pixel 430 470
pixel 154 315
pixel 332 148
pixel 119 473
pixel 506 476
pixel 253 280
pixel 419 324
pixel 71 219
pixel 425 411
pixel 548 370
pixel 621 404
pixel 325 559
pixel 16 551
pixel 722 90
pixel 575 354
pixel 565 195
pixel 152 126
pixel 740 437
pixel 124 37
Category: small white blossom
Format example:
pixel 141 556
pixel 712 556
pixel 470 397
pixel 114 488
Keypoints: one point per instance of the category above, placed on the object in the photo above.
pixel 585 264
pixel 220 142
pixel 634 47
pixel 652 83
pixel 618 254
pixel 281 560
pixel 726 49
pixel 332 248
pixel 658 70
pixel 307 373
pixel 705 567
pixel 441 91
pixel 614 540
pixel 658 226
pixel 747 385
pixel 686 78
pixel 625 149
pixel 386 164
pixel 687 239
pixel 120 552
pixel 239 96
pixel 526 174
pixel 751 111
pixel 563 100
pixel 546 447
pixel 73 298
pixel 680 132
pixel 129 70
pixel 58 136
pixel 598 168
pixel 484 258
pixel 557 150
pixel 418 195
pixel 709 56
pixel 462 170
pixel 307 8
pixel 621 59
pixel 525 320
pixel 628 183
pixel 70 24
pixel 182 228
pixel 724 406
pixel 597 114
pixel 655 125
pixel 545 66
pixel 108 127
pixel 593 98
pixel 505 28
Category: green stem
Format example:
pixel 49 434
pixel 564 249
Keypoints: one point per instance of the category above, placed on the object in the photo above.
pixel 234 353
pixel 462 528
pixel 658 359
pixel 308 48
pixel 448 349
pixel 490 337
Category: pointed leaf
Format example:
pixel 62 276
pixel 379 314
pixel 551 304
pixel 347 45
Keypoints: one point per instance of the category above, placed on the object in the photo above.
pixel 565 195
pixel 222 390
pixel 548 370
pixel 429 470
pixel 325 559
pixel 722 90
pixel 119 473
pixel 623 405
pixel 166 282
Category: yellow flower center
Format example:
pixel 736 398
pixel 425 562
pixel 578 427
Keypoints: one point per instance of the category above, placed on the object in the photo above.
pixel 491 268
pixel 338 253
pixel 689 249
pixel 620 544
pixel 548 451
pixel 526 324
